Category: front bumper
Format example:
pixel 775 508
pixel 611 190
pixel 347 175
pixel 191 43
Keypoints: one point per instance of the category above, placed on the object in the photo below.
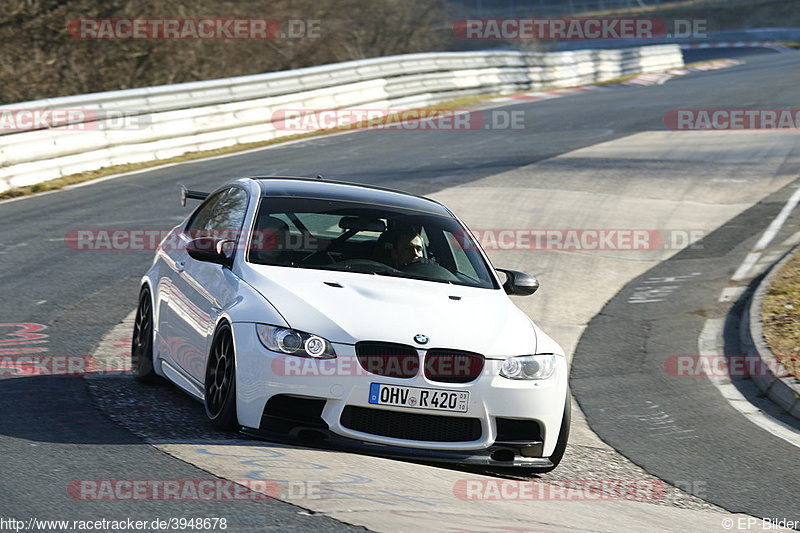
pixel 342 383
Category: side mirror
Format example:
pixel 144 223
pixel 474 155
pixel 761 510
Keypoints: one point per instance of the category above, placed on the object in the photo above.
pixel 209 250
pixel 519 283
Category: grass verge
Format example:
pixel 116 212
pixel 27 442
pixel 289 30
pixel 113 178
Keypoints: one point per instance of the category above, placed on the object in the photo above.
pixel 780 315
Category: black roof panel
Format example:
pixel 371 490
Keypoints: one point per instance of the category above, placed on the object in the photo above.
pixel 344 191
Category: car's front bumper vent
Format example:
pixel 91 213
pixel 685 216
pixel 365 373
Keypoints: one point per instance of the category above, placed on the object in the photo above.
pixel 388 359
pixel 283 413
pixel 411 426
pixel 523 435
pixel 510 429
pixel 453 366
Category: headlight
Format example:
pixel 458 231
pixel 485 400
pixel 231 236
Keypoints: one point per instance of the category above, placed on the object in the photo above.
pixel 294 342
pixel 540 366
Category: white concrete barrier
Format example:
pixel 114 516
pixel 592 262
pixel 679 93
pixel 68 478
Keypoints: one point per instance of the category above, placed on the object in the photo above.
pixel 170 120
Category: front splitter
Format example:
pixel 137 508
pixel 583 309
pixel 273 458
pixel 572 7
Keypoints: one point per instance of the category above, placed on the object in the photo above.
pixel 328 440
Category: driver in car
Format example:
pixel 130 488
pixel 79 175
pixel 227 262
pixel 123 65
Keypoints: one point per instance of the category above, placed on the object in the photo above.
pixel 406 248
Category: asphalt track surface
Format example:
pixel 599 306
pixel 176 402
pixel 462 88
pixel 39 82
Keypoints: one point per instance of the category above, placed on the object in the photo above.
pixel 636 400
pixel 706 54
pixel 51 433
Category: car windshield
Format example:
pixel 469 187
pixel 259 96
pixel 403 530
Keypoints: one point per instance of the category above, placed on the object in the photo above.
pixel 366 238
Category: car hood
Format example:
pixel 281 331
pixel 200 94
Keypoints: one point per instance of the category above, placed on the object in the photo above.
pixel 347 307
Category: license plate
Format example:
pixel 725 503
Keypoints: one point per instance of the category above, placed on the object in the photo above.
pixel 419 398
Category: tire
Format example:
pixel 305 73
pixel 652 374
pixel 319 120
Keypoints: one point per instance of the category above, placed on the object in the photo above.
pixel 561 443
pixel 220 384
pixel 142 340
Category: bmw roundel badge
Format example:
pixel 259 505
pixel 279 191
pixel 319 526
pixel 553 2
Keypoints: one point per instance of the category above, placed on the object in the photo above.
pixel 420 339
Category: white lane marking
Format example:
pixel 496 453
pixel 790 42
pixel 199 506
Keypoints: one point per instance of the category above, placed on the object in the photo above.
pixel 654 418
pixel 730 294
pixel 791 241
pixel 671 279
pixel 777 224
pixel 731 180
pixel 743 272
pixel 769 258
pixel 9 247
pixel 710 343
pixel 643 294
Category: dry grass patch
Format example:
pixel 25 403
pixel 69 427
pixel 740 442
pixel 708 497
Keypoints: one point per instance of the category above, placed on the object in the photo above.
pixel 780 314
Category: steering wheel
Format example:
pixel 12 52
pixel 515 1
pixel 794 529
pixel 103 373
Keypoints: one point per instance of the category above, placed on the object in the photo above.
pixel 421 261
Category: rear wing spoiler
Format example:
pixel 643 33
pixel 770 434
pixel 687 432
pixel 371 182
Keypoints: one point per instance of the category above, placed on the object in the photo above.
pixel 192 195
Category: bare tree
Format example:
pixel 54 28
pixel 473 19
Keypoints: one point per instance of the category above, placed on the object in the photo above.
pixel 39 58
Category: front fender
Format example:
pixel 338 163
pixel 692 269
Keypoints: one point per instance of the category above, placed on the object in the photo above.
pixel 251 306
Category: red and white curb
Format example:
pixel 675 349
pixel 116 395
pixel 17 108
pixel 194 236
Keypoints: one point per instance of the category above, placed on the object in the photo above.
pixel 641 80
pixel 549 95
pixel 657 78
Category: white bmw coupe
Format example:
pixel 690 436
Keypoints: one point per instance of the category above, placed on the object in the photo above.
pixel 305 310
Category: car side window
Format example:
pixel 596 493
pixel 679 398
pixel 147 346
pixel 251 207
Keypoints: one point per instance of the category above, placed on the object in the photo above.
pixel 203 215
pixel 222 215
pixel 228 213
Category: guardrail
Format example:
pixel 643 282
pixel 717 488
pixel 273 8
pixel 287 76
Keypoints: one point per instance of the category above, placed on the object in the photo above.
pixel 188 117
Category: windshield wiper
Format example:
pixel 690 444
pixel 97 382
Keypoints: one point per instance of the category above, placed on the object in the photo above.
pixel 343 268
pixel 412 276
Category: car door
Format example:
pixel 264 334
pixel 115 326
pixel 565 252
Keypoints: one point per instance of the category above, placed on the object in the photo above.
pixel 176 317
pixel 201 289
